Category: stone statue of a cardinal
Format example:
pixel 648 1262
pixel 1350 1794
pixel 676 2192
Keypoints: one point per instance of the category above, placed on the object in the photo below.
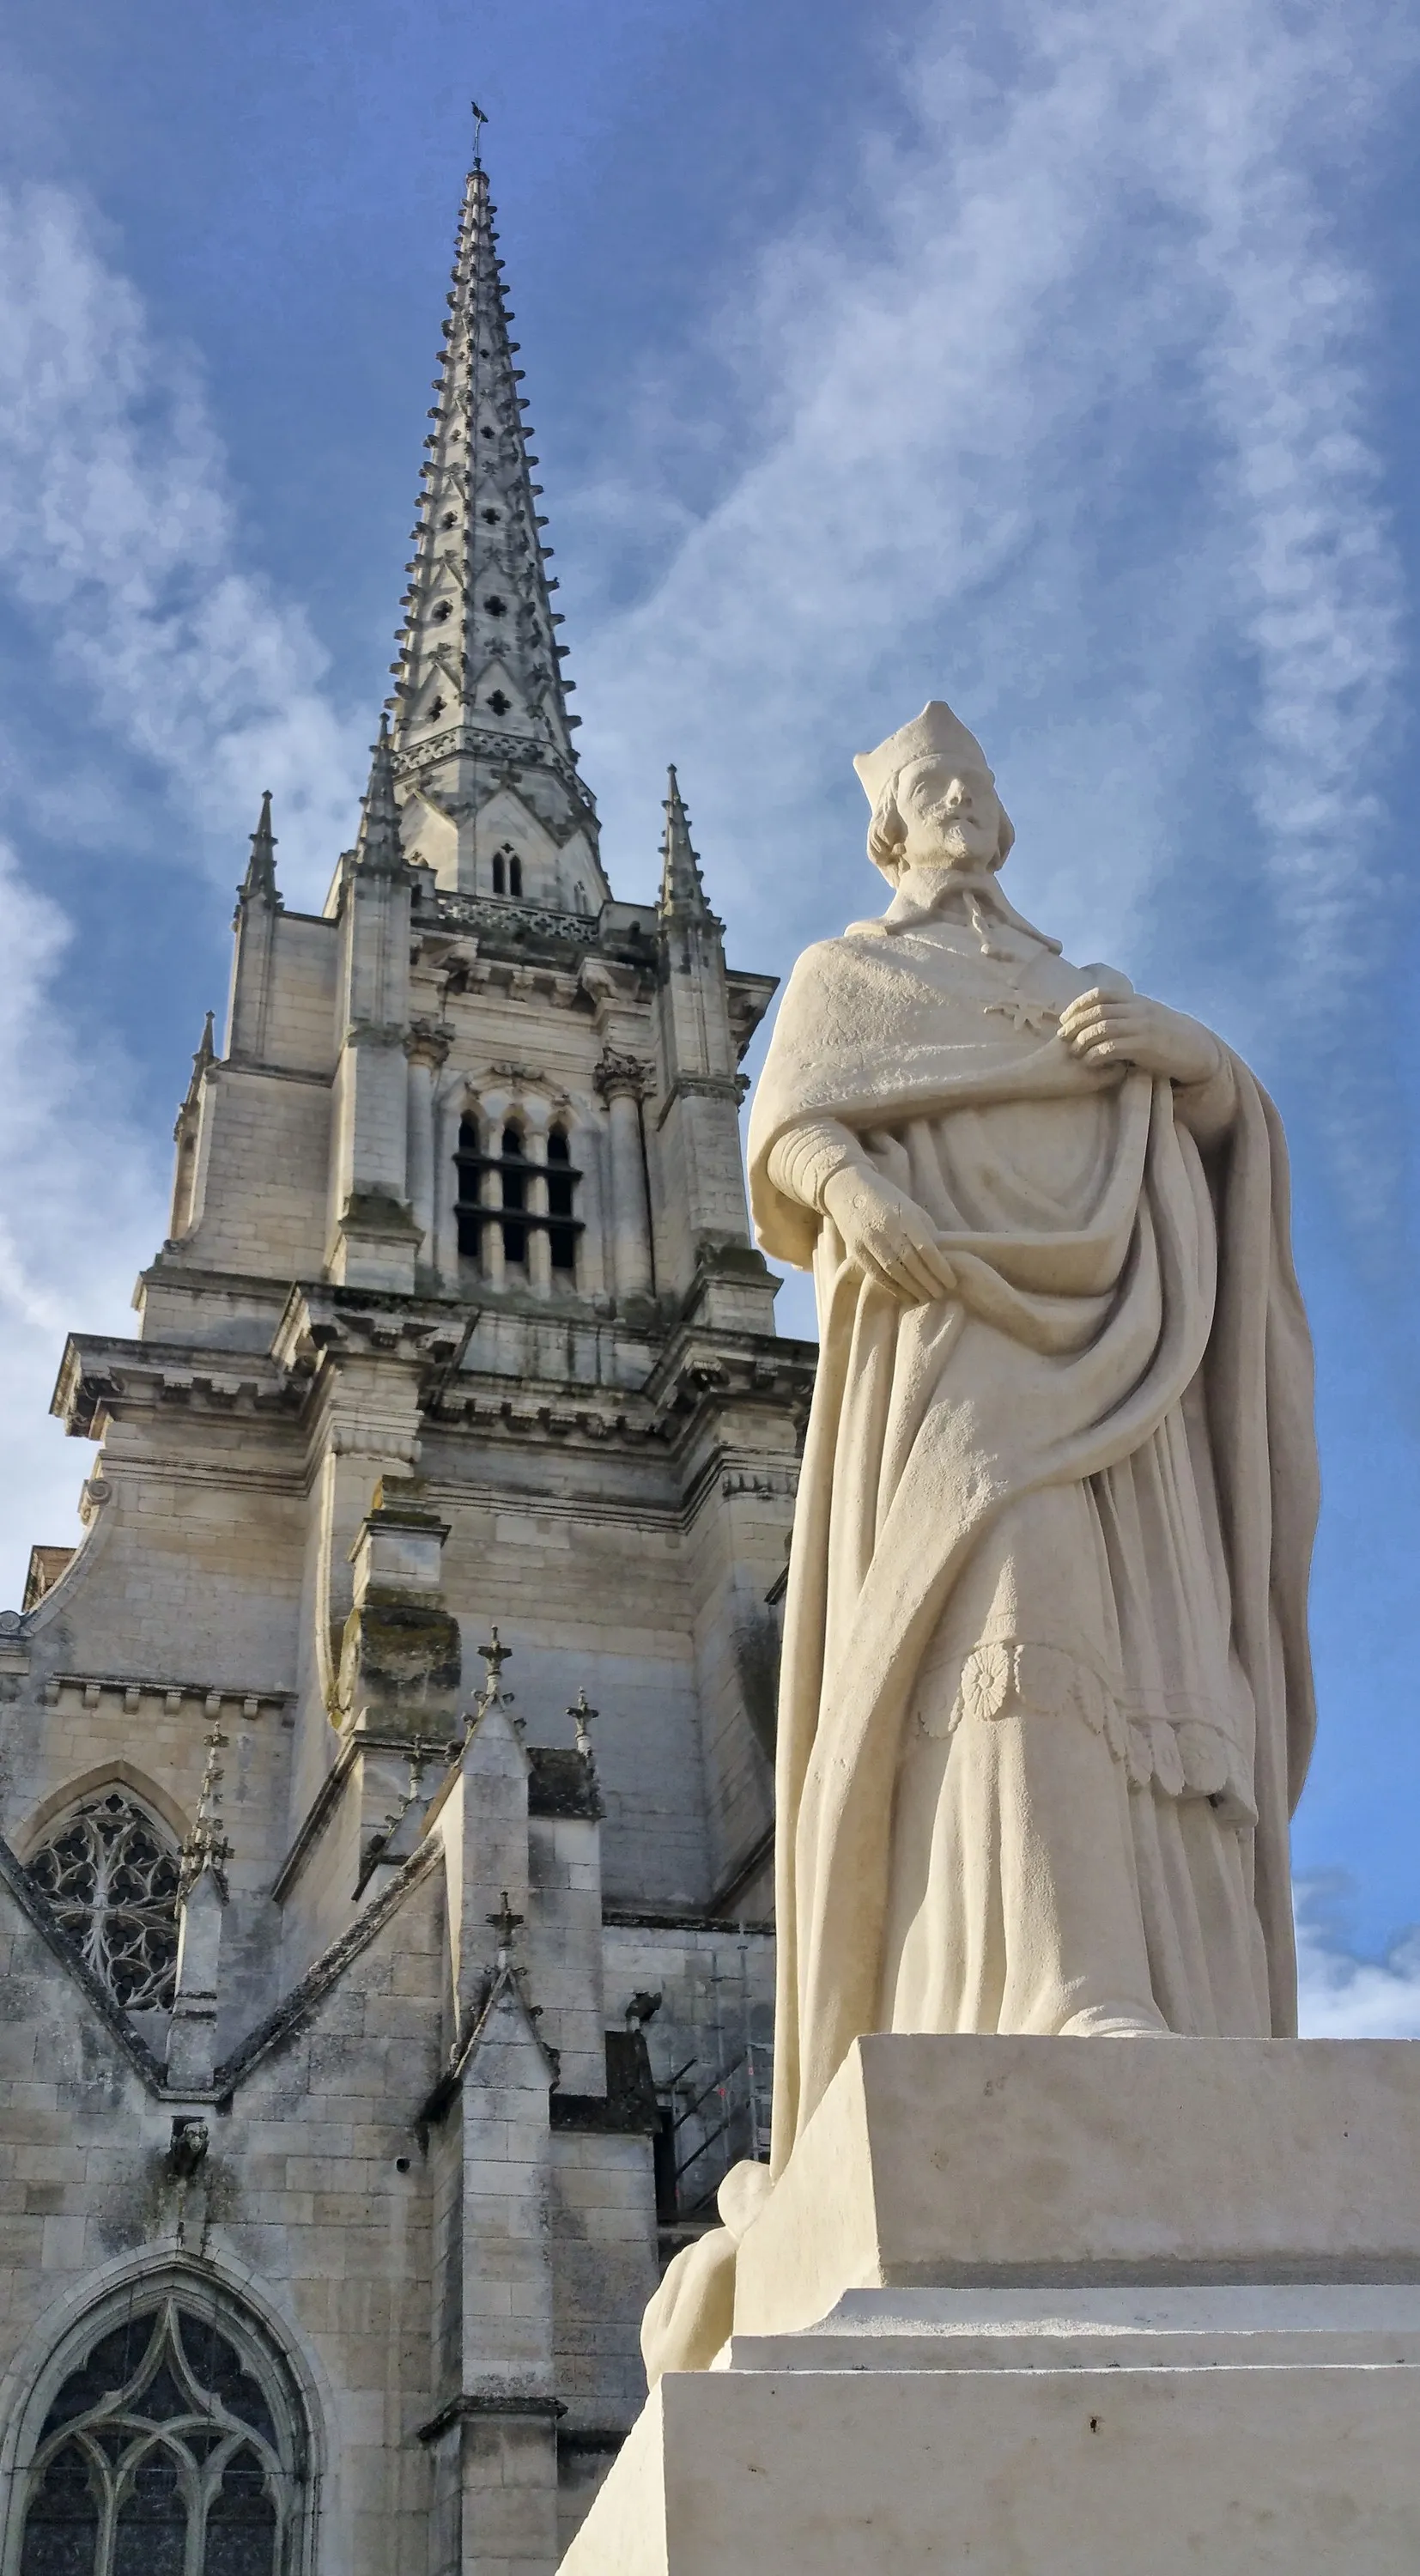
pixel 1046 1702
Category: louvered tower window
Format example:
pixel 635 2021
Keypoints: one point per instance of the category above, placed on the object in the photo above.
pixel 562 1230
pixel 513 1193
pixel 111 1875
pixel 174 2448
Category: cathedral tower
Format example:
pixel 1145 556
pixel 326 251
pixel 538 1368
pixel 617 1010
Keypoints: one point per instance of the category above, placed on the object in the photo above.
pixel 386 1785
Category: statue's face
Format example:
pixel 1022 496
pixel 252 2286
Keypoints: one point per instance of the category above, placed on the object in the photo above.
pixel 952 815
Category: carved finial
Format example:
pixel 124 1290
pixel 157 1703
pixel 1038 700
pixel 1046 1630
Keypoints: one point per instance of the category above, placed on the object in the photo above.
pixel 378 847
pixel 682 887
pixel 582 1715
pixel 505 1923
pixel 479 122
pixel 206 1846
pixel 495 1655
pixel 259 883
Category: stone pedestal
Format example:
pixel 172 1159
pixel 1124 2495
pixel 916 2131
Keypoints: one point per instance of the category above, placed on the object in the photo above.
pixel 1034 2307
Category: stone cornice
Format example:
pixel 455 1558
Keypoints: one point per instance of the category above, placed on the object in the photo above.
pixel 103 1374
pixel 729 1087
pixel 320 1318
pixel 132 1689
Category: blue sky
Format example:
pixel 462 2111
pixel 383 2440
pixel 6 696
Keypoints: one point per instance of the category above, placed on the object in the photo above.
pixel 1060 360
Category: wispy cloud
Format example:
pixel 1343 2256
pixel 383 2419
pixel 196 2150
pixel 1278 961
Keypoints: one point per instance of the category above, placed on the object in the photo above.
pixel 121 557
pixel 80 1210
pixel 119 542
pixel 1061 408
pixel 1342 1995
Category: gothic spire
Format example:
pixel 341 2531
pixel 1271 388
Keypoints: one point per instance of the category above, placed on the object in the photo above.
pixel 480 703
pixel 378 847
pixel 259 883
pixel 682 886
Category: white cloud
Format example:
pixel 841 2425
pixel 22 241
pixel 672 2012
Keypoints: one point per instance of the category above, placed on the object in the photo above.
pixel 1340 1994
pixel 80 1210
pixel 119 542
pixel 1061 409
pixel 120 549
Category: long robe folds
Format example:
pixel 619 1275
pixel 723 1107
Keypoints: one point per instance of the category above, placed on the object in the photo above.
pixel 1046 1698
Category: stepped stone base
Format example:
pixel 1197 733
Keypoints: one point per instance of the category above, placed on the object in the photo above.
pixel 1060 2308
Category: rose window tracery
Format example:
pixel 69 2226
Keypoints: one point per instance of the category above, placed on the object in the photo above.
pixel 167 2452
pixel 111 1876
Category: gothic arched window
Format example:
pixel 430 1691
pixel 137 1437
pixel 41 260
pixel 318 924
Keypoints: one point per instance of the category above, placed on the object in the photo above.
pixel 111 1876
pixel 502 1187
pixel 173 2448
pixel 500 873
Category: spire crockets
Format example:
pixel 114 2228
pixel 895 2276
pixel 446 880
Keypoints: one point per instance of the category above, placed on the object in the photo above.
pixel 682 886
pixel 378 846
pixel 259 883
pixel 482 735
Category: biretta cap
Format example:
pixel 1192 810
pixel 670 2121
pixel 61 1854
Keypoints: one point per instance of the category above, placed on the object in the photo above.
pixel 936 731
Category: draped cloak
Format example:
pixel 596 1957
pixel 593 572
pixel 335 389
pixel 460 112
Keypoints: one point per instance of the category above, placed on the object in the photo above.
pixel 1076 1498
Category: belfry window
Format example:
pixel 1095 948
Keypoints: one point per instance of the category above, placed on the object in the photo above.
pixel 561 1197
pixel 172 2449
pixel 513 1172
pixel 111 1876
pixel 507 867
pixel 510 1202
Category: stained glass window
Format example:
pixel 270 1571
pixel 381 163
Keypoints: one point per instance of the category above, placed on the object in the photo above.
pixel 111 1875
pixel 167 2451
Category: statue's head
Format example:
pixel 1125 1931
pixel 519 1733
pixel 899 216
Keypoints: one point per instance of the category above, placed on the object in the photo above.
pixel 934 799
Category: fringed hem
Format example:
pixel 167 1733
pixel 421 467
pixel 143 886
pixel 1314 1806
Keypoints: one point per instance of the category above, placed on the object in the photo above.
pixel 1183 1752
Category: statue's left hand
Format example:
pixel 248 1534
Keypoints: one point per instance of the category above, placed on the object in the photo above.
pixel 888 1236
pixel 1103 1029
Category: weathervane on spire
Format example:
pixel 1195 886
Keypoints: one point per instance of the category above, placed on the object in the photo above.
pixel 479 122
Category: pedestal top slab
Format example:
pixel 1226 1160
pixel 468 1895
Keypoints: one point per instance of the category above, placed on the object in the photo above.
pixel 935 2162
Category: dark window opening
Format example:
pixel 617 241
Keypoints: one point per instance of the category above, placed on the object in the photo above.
pixel 515 1196
pixel 490 518
pixel 495 606
pixel 519 1196
pixel 450 519
pixel 561 1190
pixel 443 611
pixel 499 703
pixel 663 2170
pixel 500 873
pixel 515 873
pixel 470 1163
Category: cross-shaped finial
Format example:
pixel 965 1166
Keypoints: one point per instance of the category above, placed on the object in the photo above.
pixel 582 1714
pixel 495 1656
pixel 479 122
pixel 210 1794
pixel 206 1846
pixel 505 1923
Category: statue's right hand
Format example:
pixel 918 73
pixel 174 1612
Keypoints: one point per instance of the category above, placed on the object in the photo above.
pixel 888 1237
